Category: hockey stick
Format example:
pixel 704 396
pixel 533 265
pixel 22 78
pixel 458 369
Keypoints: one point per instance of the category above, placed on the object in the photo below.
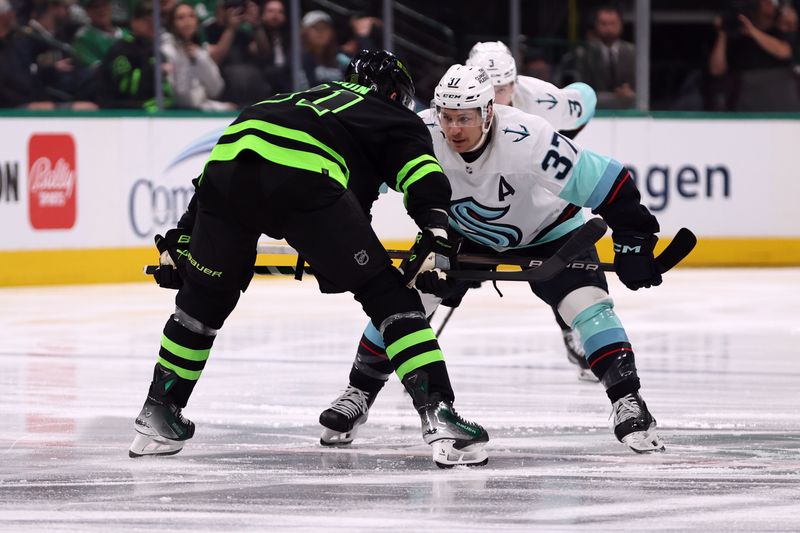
pixel 583 238
pixel 681 245
pixel 444 322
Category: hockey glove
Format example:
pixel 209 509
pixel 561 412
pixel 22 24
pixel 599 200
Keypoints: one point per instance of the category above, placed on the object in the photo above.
pixel 173 247
pixel 430 255
pixel 633 259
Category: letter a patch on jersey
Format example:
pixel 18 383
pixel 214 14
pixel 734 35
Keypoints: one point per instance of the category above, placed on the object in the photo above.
pixel 504 189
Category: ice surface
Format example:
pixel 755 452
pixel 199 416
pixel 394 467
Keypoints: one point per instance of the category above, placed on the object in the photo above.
pixel 717 352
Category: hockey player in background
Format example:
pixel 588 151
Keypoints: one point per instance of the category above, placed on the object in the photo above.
pixel 568 110
pixel 307 167
pixel 518 186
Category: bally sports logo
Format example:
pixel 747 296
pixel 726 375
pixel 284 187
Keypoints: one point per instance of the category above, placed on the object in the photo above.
pixel 52 181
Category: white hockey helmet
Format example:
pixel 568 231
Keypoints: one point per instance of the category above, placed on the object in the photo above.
pixel 465 87
pixel 496 58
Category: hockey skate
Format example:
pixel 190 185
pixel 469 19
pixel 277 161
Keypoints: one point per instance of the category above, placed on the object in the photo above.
pixel 577 356
pixel 634 425
pixel 454 440
pixel 340 422
pixel 161 428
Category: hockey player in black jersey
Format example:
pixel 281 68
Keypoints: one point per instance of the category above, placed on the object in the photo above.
pixel 307 167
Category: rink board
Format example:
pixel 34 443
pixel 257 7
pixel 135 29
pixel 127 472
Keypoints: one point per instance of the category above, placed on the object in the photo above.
pixel 82 198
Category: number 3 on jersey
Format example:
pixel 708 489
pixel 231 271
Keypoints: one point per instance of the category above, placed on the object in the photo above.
pixel 553 159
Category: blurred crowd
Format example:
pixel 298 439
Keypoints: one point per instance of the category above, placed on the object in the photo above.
pixel 215 55
pixel 753 63
pixel 221 55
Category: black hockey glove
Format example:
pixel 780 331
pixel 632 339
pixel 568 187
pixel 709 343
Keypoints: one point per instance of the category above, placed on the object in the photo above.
pixel 173 247
pixel 633 259
pixel 430 255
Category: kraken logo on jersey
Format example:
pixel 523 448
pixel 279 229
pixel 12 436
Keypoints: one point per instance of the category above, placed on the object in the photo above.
pixel 474 221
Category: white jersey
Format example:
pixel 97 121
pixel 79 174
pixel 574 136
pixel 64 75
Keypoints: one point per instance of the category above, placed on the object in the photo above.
pixel 565 109
pixel 527 186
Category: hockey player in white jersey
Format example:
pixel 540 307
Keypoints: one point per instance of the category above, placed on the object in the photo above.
pixel 519 186
pixel 568 110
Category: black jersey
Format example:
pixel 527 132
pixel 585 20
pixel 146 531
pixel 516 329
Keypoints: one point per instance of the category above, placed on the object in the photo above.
pixel 348 133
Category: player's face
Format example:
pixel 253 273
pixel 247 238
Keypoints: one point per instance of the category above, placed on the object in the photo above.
pixel 461 127
pixel 504 93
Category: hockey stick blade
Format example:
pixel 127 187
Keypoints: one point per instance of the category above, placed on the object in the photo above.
pixel 584 238
pixel 681 246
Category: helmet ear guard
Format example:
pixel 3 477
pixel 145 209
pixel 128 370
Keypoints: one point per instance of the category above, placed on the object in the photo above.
pixel 384 73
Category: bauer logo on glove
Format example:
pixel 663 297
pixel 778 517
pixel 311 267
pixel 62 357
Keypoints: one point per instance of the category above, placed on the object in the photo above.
pixel 173 249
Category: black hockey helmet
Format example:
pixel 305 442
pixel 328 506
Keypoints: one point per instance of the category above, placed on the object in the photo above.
pixel 384 73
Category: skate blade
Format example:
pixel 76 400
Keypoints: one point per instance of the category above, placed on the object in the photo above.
pixel 445 455
pixel 644 441
pixel 153 445
pixel 335 438
pixel 332 437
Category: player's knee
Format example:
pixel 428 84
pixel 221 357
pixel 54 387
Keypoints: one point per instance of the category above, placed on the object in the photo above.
pixel 208 306
pixel 384 296
pixel 582 299
pixel 192 324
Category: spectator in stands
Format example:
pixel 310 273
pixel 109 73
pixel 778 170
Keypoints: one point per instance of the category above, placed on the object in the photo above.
pixel 275 33
pixel 41 66
pixel 234 47
pixel 193 75
pixel 320 58
pixel 121 11
pixel 788 24
pixel 15 76
pixel 535 65
pixel 757 58
pixel 787 20
pixel 127 73
pixel 204 8
pixel 362 34
pixel 93 41
pixel 166 7
pixel 606 62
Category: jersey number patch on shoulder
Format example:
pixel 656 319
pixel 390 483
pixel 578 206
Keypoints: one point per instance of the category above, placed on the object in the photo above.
pixel 504 189
pixel 338 100
pixel 553 159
